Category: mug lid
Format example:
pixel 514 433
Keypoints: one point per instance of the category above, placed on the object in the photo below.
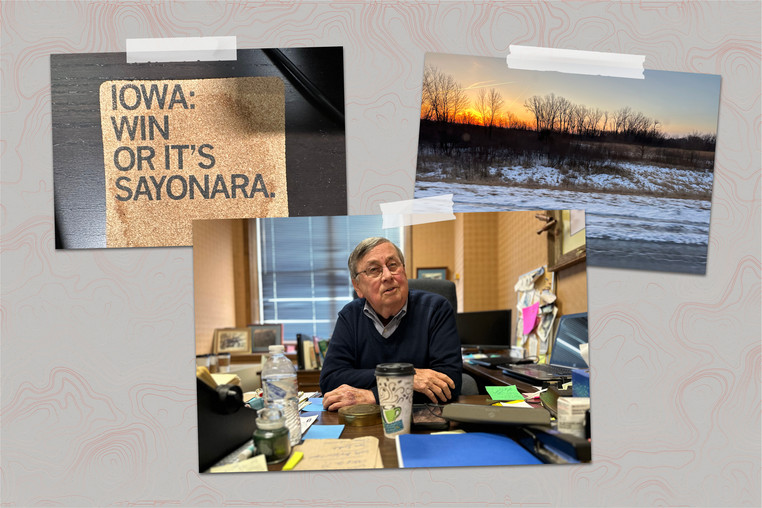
pixel 395 369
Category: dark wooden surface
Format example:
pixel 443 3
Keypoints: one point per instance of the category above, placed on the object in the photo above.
pixel 386 445
pixel 315 136
pixel 309 380
pixel 485 376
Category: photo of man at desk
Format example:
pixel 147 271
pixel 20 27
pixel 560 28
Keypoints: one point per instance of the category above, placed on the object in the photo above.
pixel 390 323
pixel 380 295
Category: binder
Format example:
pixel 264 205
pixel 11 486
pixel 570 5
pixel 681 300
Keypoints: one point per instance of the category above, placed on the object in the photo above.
pixel 457 450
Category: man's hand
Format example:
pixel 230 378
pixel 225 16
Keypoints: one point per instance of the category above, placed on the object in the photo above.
pixel 346 395
pixel 433 384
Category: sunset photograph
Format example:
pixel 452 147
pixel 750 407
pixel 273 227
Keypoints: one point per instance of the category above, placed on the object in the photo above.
pixel 637 154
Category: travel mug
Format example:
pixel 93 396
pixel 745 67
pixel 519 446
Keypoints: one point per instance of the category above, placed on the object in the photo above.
pixel 395 396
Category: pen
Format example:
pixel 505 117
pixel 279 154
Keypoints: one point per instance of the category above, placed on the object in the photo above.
pixel 248 452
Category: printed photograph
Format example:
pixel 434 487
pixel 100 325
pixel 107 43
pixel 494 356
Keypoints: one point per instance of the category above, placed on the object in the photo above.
pixel 448 325
pixel 141 149
pixel 231 340
pixel 636 154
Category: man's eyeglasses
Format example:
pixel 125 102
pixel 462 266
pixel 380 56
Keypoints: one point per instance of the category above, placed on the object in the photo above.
pixel 374 272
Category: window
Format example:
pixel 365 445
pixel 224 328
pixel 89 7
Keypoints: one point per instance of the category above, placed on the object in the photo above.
pixel 303 276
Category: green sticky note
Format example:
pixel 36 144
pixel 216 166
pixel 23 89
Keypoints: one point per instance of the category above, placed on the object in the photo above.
pixel 504 392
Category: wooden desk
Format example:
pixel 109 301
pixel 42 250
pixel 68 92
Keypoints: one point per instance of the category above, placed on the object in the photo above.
pixel 386 445
pixel 309 380
pixel 485 376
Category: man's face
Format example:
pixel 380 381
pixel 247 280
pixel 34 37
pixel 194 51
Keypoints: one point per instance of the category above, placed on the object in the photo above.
pixel 387 293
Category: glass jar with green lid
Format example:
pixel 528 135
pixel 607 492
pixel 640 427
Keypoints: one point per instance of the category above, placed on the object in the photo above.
pixel 271 437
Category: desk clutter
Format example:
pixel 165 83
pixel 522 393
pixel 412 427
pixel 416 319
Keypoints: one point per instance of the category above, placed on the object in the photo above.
pixel 511 424
pixel 505 427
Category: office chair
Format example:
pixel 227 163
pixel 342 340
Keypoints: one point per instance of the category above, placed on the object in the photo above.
pixel 445 288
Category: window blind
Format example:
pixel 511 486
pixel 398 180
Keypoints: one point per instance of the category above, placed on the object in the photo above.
pixel 303 275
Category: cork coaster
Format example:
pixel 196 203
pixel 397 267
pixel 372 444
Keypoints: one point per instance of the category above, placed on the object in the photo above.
pixel 178 150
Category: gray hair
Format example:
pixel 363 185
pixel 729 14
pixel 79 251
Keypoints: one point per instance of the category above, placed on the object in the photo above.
pixel 366 246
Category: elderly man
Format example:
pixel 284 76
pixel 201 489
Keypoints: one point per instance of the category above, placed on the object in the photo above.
pixel 387 324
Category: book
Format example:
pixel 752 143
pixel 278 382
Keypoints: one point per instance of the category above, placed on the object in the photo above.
pixel 323 347
pixel 305 352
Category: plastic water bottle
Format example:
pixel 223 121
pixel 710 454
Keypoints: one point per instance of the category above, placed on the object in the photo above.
pixel 280 388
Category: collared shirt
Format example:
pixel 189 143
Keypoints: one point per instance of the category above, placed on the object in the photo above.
pixel 389 329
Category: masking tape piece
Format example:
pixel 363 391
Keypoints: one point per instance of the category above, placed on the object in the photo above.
pixel 618 65
pixel 417 211
pixel 181 49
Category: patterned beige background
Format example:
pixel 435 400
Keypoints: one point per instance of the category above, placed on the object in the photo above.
pixel 97 345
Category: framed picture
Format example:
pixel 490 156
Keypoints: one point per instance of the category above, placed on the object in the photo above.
pixel 264 336
pixel 431 273
pixel 235 341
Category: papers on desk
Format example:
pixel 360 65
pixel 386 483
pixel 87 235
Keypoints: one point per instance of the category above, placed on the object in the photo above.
pixel 256 463
pixel 514 403
pixel 324 432
pixel 468 449
pixel 313 404
pixel 306 421
pixel 323 454
pixel 305 399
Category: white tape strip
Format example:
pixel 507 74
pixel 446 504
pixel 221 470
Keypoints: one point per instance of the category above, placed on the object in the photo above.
pixel 574 61
pixel 181 49
pixel 417 211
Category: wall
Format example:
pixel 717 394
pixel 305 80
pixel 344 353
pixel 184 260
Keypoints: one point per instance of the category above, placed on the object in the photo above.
pixel 432 247
pixel 571 289
pixel 480 260
pixel 487 252
pixel 220 278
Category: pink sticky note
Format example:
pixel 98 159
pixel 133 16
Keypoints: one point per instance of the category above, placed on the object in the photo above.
pixel 529 315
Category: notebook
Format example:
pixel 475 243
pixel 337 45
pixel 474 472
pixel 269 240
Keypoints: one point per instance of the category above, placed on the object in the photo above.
pixel 564 356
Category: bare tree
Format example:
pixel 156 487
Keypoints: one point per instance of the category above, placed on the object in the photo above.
pixel 488 105
pixel 593 119
pixel 442 98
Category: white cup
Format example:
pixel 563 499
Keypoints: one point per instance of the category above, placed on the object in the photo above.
pixel 395 396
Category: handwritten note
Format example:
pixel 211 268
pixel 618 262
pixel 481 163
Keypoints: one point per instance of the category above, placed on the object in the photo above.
pixel 322 454
pixel 256 463
pixel 504 392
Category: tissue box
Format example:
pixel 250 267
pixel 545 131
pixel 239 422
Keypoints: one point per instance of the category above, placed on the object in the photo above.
pixel 580 382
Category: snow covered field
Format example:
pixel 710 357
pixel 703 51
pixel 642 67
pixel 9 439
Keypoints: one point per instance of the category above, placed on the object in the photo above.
pixel 633 177
pixel 611 219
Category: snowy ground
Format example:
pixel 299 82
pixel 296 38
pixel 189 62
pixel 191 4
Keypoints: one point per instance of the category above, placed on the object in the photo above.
pixel 635 177
pixel 611 219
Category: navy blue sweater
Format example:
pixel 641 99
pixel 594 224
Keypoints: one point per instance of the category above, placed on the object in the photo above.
pixel 426 337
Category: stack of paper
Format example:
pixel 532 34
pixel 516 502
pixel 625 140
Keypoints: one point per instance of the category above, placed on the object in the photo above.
pixel 322 454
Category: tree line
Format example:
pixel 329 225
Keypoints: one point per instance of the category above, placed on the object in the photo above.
pixel 444 100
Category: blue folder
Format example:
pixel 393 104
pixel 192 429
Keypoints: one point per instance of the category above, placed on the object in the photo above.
pixel 454 450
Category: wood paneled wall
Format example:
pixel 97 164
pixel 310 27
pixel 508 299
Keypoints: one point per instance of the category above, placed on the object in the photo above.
pixel 487 252
pixel 221 288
